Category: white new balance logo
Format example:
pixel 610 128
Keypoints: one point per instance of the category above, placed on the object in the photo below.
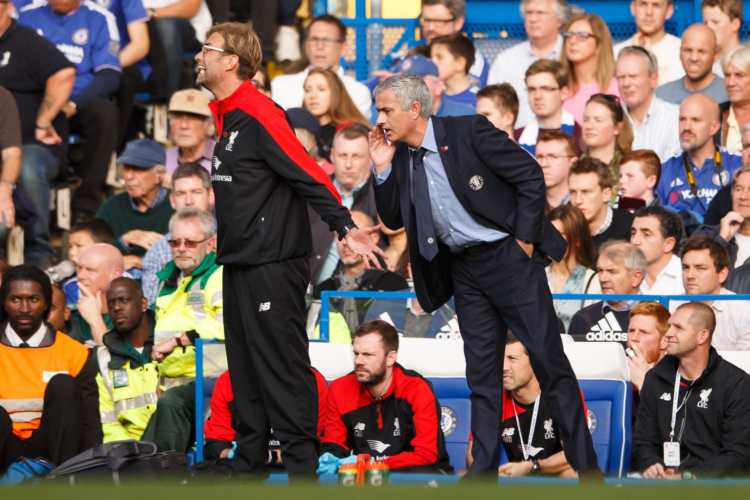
pixel 264 306
pixel 378 446
pixel 608 329
pixel 666 397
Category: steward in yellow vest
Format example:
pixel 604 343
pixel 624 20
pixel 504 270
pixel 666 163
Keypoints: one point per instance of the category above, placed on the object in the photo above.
pixel 128 379
pixel 189 305
pixel 48 397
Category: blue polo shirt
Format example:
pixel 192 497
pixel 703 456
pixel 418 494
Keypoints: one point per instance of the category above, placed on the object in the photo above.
pixel 674 191
pixel 87 36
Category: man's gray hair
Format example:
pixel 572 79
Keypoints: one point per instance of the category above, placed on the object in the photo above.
pixel 408 89
pixel 562 9
pixel 206 220
pixel 645 54
pixel 625 253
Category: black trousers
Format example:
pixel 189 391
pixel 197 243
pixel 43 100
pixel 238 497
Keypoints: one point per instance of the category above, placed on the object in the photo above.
pixel 269 364
pixel 499 288
pixel 97 124
pixel 59 435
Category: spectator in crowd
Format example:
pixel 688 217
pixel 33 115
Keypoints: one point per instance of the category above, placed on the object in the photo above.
pixel 736 111
pixel 721 204
pixel 575 272
pixel 650 17
pixel 80 236
pixel 307 129
pixel 667 444
pixel 648 324
pixel 653 120
pixel 325 44
pixel 607 134
pixel 97 266
pixel 590 184
pixel 587 58
pixel 542 20
pixel 180 26
pixel 697 53
pixel 658 232
pixel 190 306
pixel 407 423
pixel 705 267
pixel 547 87
pixel 220 426
pixel 191 188
pixel 524 404
pixel 139 216
pixel 639 173
pixel 739 280
pixel 454 55
pixel 191 131
pixel 132 19
pixel 621 267
pixel 128 379
pixel 353 273
pixel 327 99
pixel 89 39
pixel 689 181
pixel 724 17
pixel 734 229
pixel 48 78
pixel 556 152
pixel 10 159
pixel 59 313
pixel 499 103
pixel 262 82
pixel 396 257
pixel 351 176
pixel 426 69
pixel 48 397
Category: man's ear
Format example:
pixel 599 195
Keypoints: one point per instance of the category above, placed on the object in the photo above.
pixel 144 304
pixel 390 358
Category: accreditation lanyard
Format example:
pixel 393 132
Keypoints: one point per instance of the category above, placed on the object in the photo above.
pixel 676 408
pixel 526 447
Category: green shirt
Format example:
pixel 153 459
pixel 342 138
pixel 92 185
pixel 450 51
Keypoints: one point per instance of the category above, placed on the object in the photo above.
pixel 119 213
pixel 80 330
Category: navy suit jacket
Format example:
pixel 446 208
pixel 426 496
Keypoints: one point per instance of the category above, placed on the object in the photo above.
pixel 498 183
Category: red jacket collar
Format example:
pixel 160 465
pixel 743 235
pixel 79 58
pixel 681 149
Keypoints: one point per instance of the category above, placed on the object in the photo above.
pixel 221 106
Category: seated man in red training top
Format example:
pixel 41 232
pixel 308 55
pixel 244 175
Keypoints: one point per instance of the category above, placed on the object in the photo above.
pixel 382 409
pixel 529 435
pixel 220 427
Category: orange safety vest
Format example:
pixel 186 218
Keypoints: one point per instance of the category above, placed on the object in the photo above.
pixel 24 373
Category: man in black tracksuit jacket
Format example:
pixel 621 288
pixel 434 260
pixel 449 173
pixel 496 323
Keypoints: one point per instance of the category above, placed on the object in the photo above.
pixel 715 439
pixel 263 181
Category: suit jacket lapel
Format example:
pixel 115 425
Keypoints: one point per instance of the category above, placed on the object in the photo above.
pixel 450 163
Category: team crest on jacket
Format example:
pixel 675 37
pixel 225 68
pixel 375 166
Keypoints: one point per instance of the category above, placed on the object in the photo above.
pixel 81 36
pixel 476 182
pixel 549 432
pixel 359 429
pixel 232 138
pixel 704 395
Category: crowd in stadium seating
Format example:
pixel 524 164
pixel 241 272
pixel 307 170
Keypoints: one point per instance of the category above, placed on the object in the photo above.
pixel 644 146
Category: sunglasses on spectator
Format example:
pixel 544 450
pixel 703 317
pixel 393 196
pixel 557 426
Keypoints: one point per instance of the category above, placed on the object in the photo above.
pixel 184 241
pixel 578 35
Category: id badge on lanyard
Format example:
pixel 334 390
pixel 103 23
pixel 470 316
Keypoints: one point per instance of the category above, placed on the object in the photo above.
pixel 672 447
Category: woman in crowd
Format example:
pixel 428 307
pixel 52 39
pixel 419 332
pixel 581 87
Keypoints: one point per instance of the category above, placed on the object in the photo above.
pixel 607 134
pixel 736 111
pixel 587 56
pixel 327 99
pixel 575 272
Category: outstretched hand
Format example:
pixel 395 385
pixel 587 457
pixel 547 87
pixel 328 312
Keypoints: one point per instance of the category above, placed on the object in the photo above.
pixel 361 242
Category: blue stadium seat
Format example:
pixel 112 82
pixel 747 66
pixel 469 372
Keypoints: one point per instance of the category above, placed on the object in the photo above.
pixel 455 418
pixel 609 405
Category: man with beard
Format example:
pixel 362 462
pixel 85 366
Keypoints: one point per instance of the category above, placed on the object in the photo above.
pixel 382 409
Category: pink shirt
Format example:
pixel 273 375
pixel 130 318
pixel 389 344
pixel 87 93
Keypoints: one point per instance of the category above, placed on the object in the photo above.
pixel 577 102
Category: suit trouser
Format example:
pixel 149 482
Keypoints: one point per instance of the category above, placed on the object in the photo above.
pixel 269 364
pixel 59 435
pixel 498 288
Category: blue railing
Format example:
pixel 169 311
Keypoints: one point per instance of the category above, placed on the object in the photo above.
pixel 491 23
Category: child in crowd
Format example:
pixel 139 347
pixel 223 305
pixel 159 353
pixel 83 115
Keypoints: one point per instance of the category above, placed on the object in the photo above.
pixel 454 55
pixel 83 235
pixel 499 103
pixel 639 173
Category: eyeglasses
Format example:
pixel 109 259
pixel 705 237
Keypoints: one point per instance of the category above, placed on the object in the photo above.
pixel 545 89
pixel 581 36
pixel 550 157
pixel 206 48
pixel 439 22
pixel 184 241
pixel 323 41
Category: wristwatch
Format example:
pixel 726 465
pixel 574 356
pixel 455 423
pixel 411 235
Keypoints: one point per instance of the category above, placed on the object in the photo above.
pixel 535 465
pixel 345 230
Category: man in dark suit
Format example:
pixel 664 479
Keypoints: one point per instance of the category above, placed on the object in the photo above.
pixel 472 203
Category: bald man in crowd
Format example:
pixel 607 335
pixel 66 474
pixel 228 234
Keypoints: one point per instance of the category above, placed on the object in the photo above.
pixel 690 180
pixel 96 267
pixel 697 54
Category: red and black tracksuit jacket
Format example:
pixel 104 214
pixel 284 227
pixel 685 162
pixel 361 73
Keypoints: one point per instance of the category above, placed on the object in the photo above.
pixel 263 180
pixel 219 429
pixel 401 429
